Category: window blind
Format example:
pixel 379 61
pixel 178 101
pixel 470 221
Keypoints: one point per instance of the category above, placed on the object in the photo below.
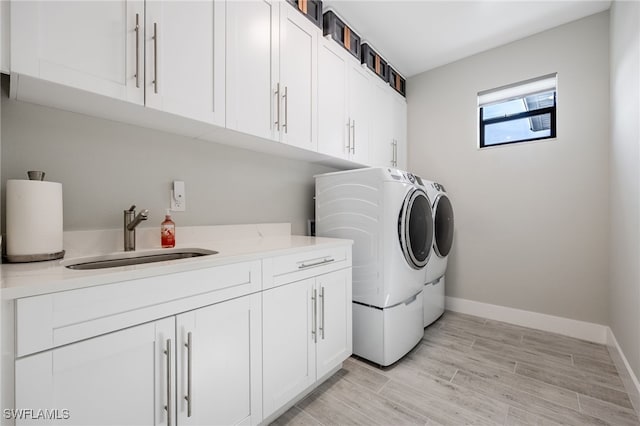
pixel 517 90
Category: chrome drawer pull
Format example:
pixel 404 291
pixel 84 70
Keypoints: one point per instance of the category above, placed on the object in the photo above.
pixel 321 262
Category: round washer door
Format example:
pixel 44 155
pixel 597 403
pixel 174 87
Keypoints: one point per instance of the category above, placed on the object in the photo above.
pixel 415 228
pixel 443 224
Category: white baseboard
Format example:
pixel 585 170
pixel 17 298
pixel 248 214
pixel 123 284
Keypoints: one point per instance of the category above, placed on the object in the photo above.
pixel 629 379
pixel 592 332
pixel 569 327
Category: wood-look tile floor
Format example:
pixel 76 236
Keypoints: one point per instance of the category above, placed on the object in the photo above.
pixel 470 370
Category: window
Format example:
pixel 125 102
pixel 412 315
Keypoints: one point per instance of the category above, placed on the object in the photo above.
pixel 520 112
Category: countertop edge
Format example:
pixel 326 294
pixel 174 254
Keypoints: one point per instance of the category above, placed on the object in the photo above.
pixel 41 285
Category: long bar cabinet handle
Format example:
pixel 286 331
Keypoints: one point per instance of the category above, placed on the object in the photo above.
pixel 189 396
pixel 155 57
pixel 168 406
pixel 137 30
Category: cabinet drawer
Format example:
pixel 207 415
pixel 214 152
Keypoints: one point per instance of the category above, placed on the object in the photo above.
pixel 313 259
pixel 285 269
pixel 50 320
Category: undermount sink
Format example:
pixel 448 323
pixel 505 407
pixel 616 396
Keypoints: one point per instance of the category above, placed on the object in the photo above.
pixel 135 258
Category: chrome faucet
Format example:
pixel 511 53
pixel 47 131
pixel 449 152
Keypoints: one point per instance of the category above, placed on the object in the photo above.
pixel 130 223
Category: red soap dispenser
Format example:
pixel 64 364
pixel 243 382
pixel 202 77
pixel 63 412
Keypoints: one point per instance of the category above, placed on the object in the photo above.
pixel 168 231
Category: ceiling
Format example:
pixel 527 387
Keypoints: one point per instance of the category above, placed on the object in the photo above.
pixel 416 36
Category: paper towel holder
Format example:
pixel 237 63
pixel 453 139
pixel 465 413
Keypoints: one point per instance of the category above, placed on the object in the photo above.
pixel 22 255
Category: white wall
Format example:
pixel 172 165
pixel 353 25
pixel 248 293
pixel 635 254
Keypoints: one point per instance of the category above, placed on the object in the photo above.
pixel 625 179
pixel 106 166
pixel 532 219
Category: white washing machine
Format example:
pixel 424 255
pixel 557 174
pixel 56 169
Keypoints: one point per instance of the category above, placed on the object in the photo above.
pixel 384 211
pixel 442 242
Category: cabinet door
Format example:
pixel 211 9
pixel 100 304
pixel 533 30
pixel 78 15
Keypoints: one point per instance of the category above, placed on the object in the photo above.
pixel 333 120
pixel 118 378
pixel 400 126
pixel 219 364
pixel 288 330
pixel 252 67
pixel 359 112
pixel 298 78
pixel 86 45
pixel 185 58
pixel 382 138
pixel 334 320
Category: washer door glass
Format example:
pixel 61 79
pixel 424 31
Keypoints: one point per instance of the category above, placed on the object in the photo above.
pixel 443 225
pixel 416 233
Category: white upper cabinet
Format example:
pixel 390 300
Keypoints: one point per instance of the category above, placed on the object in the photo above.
pixel 360 113
pixel 400 129
pixel 168 55
pixel 252 67
pixel 298 78
pixel 93 46
pixel 257 67
pixel 184 56
pixel 343 104
pixel 4 37
pixel 333 119
pixel 271 72
pixel 383 150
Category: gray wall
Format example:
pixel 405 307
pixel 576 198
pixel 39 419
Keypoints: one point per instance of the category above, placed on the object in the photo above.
pixel 625 179
pixel 106 166
pixel 532 219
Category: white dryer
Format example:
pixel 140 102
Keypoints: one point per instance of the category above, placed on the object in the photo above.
pixel 443 239
pixel 384 211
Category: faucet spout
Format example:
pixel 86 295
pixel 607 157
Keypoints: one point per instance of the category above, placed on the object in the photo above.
pixel 143 215
pixel 131 221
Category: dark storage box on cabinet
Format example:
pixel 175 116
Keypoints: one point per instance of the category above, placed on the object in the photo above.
pixel 312 9
pixel 374 62
pixel 397 82
pixel 341 33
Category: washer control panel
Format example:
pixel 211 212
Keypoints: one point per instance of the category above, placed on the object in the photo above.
pixel 439 187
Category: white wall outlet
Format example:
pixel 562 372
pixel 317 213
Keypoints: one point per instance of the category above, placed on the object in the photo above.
pixel 178 197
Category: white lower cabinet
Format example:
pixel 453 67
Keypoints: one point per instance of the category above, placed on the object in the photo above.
pixel 306 333
pixel 119 378
pixel 218 364
pixel 334 320
pixel 223 351
pixel 288 351
pixel 210 372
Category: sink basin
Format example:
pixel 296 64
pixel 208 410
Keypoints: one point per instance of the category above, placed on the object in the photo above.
pixel 134 258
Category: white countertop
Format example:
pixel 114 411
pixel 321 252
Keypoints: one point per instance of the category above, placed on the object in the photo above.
pixel 30 279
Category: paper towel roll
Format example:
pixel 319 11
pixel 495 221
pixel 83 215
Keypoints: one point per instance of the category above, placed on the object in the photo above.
pixel 34 218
